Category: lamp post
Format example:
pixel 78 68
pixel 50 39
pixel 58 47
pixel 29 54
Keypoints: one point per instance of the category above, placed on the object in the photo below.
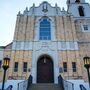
pixel 5 66
pixel 86 60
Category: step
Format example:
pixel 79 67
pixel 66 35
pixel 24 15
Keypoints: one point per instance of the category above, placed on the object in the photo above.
pixel 44 86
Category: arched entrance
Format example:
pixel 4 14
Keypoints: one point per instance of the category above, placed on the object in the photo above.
pixel 45 71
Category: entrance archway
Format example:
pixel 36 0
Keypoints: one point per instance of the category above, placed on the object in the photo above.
pixel 45 71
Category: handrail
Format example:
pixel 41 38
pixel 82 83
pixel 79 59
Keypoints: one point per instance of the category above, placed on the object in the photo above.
pixel 82 87
pixel 22 85
pixel 29 82
pixel 66 85
pixel 60 81
pixel 9 87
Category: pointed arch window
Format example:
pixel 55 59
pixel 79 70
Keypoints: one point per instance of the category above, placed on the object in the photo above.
pixel 81 10
pixel 45 29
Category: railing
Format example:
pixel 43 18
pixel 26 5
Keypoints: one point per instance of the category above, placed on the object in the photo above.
pixel 82 87
pixel 66 85
pixel 29 82
pixel 9 87
pixel 22 85
pixel 60 82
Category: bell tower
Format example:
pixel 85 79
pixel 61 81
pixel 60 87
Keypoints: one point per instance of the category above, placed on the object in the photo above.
pixel 78 8
pixel 75 1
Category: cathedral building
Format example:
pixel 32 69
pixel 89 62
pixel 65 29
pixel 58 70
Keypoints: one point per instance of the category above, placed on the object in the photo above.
pixel 49 42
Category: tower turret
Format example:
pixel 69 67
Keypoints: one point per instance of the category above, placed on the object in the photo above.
pixel 78 8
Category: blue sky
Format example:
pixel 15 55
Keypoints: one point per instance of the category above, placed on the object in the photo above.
pixel 8 13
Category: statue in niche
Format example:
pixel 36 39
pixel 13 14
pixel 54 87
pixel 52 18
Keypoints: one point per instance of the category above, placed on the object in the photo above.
pixel 45 8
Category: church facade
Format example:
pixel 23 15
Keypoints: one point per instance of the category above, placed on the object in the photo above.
pixel 49 42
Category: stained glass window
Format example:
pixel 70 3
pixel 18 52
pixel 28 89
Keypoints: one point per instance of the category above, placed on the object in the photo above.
pixel 45 29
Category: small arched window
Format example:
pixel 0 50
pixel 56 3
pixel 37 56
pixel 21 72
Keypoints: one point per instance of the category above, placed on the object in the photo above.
pixel 45 29
pixel 81 10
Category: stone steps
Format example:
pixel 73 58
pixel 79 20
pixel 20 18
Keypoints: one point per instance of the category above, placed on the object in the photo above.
pixel 45 86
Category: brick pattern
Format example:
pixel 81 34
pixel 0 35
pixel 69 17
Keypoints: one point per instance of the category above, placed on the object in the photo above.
pixel 20 57
pixel 66 29
pixel 24 29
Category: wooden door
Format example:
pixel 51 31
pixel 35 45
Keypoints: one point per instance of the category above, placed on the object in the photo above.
pixel 45 73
